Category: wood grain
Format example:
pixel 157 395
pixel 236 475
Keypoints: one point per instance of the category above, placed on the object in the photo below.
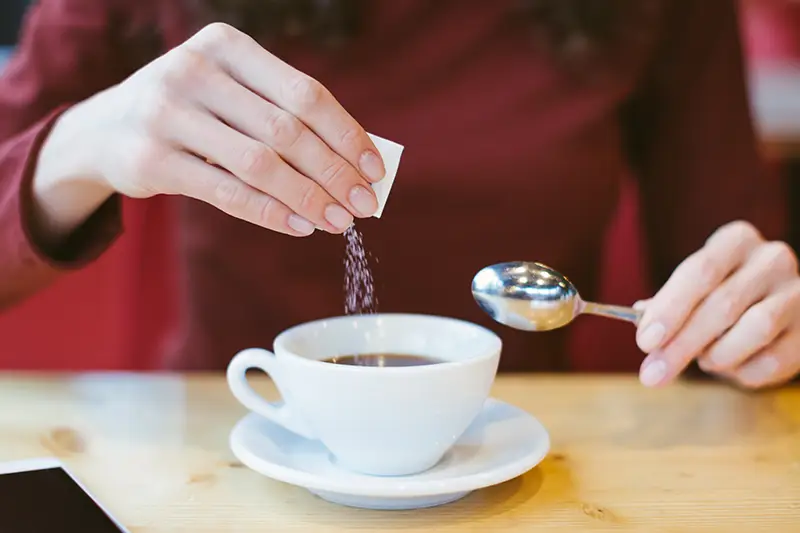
pixel 695 457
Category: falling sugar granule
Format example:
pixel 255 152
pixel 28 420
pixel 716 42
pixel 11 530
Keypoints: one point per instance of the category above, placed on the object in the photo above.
pixel 359 288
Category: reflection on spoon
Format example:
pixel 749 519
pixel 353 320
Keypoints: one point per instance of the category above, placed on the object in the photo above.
pixel 534 297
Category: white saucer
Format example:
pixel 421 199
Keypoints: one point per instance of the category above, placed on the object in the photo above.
pixel 501 444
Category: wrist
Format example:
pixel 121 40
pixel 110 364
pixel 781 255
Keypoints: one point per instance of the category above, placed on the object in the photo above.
pixel 67 186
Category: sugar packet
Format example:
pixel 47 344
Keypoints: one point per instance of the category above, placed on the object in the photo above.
pixel 390 153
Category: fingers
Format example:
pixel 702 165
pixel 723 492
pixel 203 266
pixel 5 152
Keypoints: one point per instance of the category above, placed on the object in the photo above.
pixel 721 309
pixel 734 306
pixel 692 281
pixel 259 166
pixel 774 365
pixel 196 179
pixel 758 327
pixel 294 142
pixel 293 91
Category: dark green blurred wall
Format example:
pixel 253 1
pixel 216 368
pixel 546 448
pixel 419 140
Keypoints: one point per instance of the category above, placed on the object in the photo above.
pixel 11 12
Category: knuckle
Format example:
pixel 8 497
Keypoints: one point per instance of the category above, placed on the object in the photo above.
pixel 283 129
pixel 186 70
pixel 305 92
pixel 267 212
pixel 682 349
pixel 763 321
pixel 793 293
pixel 350 138
pixel 779 256
pixel 156 111
pixel 218 34
pixel 726 306
pixel 742 229
pixel 738 237
pixel 332 172
pixel 256 161
pixel 229 195
pixel 706 269
pixel 308 198
pixel 146 157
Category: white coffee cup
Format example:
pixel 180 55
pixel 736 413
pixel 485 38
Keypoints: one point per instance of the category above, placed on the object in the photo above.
pixel 375 420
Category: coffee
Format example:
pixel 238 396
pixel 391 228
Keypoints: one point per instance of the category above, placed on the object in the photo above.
pixel 383 359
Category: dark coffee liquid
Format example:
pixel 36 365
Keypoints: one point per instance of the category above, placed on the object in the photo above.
pixel 383 359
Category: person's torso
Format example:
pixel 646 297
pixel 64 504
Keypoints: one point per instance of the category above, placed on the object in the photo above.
pixel 506 157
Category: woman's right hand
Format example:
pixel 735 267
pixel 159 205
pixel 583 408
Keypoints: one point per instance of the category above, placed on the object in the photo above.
pixel 222 120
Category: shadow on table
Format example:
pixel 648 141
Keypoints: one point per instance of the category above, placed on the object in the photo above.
pixel 479 506
pixel 537 491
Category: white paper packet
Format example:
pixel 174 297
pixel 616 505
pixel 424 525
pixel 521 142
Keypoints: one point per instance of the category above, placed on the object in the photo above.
pixel 390 153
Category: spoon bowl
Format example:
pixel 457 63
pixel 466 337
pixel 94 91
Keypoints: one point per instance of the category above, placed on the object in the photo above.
pixel 531 296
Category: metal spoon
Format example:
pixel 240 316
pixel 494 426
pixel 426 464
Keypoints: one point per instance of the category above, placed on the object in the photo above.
pixel 534 297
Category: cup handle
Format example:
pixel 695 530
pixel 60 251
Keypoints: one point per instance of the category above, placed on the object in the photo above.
pixel 277 412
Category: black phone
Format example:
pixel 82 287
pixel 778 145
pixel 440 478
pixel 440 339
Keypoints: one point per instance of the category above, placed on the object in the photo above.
pixel 42 496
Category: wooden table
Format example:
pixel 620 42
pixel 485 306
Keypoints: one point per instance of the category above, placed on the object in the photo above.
pixel 692 457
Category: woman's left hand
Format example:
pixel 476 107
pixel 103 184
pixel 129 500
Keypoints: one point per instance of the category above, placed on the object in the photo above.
pixel 734 306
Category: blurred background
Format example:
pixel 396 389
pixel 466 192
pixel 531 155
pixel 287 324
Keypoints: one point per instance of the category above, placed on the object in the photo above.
pixel 140 268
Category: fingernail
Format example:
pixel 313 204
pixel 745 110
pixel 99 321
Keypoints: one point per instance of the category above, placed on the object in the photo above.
pixel 363 201
pixel 651 337
pixel 371 166
pixel 652 373
pixel 338 216
pixel 300 225
pixel 640 305
pixel 759 370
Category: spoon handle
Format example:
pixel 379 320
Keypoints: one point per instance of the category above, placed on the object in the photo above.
pixel 619 312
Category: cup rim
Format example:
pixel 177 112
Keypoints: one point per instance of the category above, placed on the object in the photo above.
pixel 489 354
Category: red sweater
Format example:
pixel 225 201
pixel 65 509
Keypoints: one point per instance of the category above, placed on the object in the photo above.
pixel 506 158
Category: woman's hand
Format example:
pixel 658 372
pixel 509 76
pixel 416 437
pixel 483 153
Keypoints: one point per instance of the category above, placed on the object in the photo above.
pixel 222 120
pixel 734 305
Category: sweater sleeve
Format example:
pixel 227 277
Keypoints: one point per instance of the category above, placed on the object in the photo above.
pixel 67 53
pixel 693 139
